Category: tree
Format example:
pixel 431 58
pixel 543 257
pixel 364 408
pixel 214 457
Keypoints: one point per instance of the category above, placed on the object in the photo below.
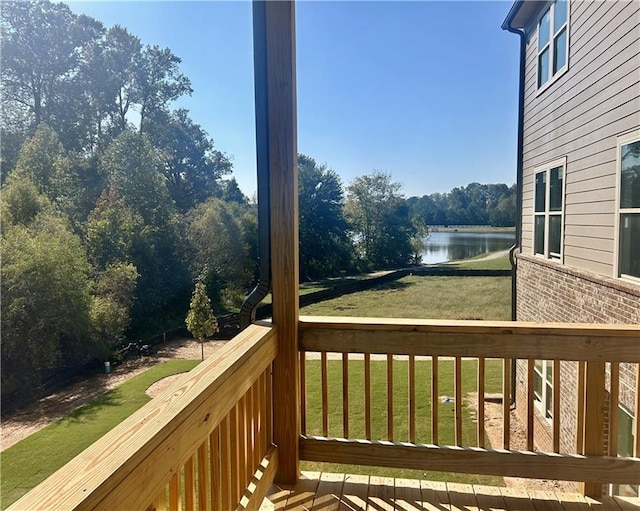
pixel 111 305
pixel 130 166
pixel 43 45
pixel 217 238
pixel 188 159
pixel 201 322
pixel 325 247
pixel 45 301
pixel 159 82
pixel 380 221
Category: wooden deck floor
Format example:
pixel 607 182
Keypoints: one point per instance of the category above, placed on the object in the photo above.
pixel 326 491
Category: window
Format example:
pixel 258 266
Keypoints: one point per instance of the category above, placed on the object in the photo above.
pixel 543 390
pixel 628 207
pixel 548 210
pixel 625 448
pixel 553 42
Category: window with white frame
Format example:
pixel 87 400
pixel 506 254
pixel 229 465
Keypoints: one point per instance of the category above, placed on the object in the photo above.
pixel 626 441
pixel 543 389
pixel 628 210
pixel 553 42
pixel 548 210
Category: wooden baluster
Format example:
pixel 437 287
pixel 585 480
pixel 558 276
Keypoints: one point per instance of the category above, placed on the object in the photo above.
pixel 189 485
pixel 594 419
pixel 241 450
pixel 160 502
pixel 457 376
pixel 390 397
pixel 248 449
pixel 434 399
pixel 580 408
pixel 325 393
pixel 345 395
pixel 506 403
pixel 235 456
pixel 556 405
pixel 175 503
pixel 303 392
pixel 258 453
pixel 636 445
pixel 481 372
pixel 251 447
pixel 412 398
pixel 225 463
pixel 367 396
pixel 204 504
pixel 531 387
pixel 268 406
pixel 214 470
pixel 613 408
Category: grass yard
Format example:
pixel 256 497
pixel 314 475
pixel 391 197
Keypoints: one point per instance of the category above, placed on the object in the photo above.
pixel 486 298
pixel 401 408
pixel 499 263
pixel 31 461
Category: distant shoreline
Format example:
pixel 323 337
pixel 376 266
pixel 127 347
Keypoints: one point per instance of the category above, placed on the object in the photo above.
pixel 470 229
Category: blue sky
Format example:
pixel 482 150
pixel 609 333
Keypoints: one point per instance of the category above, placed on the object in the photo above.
pixel 426 91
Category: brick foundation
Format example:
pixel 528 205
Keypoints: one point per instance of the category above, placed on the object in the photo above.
pixel 551 292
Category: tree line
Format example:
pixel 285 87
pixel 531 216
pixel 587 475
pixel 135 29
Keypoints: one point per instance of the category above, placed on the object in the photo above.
pixel 114 204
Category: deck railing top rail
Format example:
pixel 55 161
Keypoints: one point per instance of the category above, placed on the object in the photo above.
pixel 458 338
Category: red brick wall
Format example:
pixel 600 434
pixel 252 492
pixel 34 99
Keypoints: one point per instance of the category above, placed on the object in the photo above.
pixel 551 292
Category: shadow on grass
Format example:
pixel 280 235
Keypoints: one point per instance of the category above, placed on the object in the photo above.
pixel 113 398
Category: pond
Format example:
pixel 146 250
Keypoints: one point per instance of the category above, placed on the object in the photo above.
pixel 454 246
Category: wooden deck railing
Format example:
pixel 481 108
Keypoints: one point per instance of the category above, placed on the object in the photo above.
pixel 206 443
pixel 485 343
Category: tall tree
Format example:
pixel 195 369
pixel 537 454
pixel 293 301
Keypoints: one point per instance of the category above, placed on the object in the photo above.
pixel 189 161
pixel 380 220
pixel 219 252
pixel 159 82
pixel 325 246
pixel 130 165
pixel 43 46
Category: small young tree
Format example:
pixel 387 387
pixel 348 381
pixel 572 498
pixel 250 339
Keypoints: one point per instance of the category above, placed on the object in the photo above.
pixel 201 321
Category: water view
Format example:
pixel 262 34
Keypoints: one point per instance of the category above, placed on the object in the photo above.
pixel 453 246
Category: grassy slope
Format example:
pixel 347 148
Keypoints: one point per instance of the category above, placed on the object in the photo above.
pixel 27 463
pixel 411 297
pixel 425 297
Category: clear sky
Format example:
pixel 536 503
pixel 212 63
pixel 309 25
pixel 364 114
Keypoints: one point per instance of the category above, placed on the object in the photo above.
pixel 426 91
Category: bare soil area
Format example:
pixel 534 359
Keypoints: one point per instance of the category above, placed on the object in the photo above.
pixel 518 442
pixel 55 406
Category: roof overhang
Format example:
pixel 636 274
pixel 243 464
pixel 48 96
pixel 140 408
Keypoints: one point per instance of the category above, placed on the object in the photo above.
pixel 521 13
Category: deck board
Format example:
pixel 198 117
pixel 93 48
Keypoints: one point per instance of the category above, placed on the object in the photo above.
pixel 317 491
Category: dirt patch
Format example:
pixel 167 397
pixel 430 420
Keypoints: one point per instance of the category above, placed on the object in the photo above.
pixel 518 437
pixel 55 406
pixel 161 385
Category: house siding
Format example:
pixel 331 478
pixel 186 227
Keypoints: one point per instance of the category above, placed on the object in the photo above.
pixel 579 116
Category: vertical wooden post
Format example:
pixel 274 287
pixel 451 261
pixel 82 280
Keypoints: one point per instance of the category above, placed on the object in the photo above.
pixel 274 42
pixel 593 437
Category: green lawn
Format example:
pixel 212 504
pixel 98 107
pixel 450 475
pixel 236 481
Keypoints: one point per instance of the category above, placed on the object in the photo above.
pixel 29 462
pixel 425 297
pixel 400 404
pixel 500 263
